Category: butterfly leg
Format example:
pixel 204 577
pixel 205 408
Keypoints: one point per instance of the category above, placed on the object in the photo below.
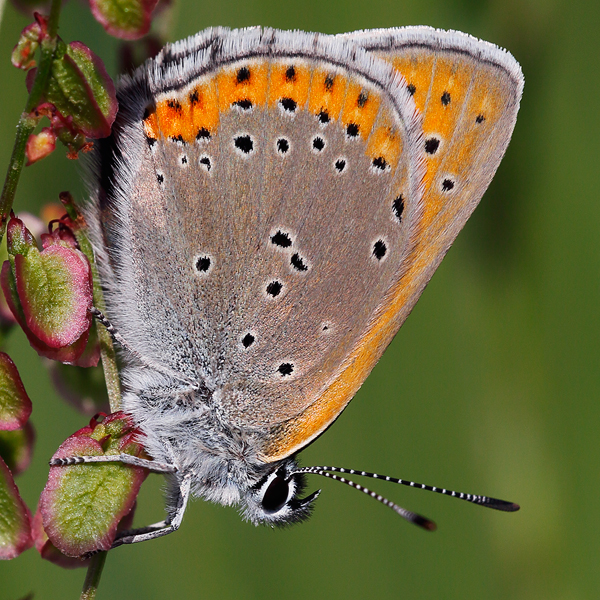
pixel 114 334
pixel 169 525
pixel 127 459
pixel 133 536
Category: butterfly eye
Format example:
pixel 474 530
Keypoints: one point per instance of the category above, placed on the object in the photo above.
pixel 274 499
pixel 276 495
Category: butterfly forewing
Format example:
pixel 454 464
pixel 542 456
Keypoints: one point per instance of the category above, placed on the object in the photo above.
pixel 468 92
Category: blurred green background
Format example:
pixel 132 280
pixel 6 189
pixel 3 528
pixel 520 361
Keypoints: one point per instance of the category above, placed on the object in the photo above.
pixel 491 386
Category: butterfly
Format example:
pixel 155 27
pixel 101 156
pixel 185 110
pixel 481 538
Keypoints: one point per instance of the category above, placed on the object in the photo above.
pixel 267 211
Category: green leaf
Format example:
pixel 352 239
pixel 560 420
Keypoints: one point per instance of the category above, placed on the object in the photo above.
pixel 55 291
pixel 15 405
pixel 15 518
pixel 81 90
pixel 82 505
pixel 125 19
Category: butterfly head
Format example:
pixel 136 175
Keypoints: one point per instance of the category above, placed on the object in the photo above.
pixel 276 499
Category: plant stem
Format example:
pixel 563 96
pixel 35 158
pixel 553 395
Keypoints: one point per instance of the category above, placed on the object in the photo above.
pixel 25 128
pixel 107 349
pixel 92 577
pixel 27 122
pixel 53 19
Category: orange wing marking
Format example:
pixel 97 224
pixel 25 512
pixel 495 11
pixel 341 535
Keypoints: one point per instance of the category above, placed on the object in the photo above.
pixel 244 85
pixel 289 83
pixel 327 94
pixel 360 110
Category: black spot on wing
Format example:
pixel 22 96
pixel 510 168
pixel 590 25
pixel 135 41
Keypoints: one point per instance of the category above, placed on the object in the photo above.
pixel 281 239
pixel 244 143
pixel 248 340
pixel 379 249
pixel 285 369
pixel 431 145
pixel 447 185
pixel 297 262
pixel 244 104
pixel 318 143
pixel 323 117
pixel 203 264
pixel 288 104
pixel 203 134
pixel 380 164
pixel 398 207
pixel 352 130
pixel 283 146
pixel 274 288
pixel 243 74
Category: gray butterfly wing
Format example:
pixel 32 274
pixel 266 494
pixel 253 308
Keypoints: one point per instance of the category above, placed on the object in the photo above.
pixel 252 249
pixel 468 92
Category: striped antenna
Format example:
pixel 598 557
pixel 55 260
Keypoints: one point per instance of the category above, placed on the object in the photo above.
pixel 406 514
